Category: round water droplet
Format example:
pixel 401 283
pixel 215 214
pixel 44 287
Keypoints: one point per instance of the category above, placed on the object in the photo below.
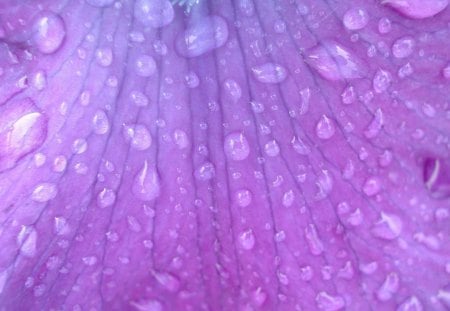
pixel 372 186
pixel 325 128
pixel 59 164
pixel 48 32
pixel 205 172
pixel 104 56
pixel 269 73
pixel 100 3
pixel 138 136
pixel 279 26
pixel 100 122
pixel 44 192
pixel 288 198
pixel 39 159
pixel 145 65
pixel 181 139
pixel 355 19
pixel 236 146
pixel 247 239
pixel 154 13
pixel 243 197
pixel 106 197
pixel 146 184
pixel 272 149
pixel 403 47
pixel 384 25
pixel 381 81
pixel 192 80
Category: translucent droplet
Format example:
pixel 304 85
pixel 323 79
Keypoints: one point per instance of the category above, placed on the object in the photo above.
pixel 59 164
pixel 384 25
pixel 389 227
pixel 312 238
pixel 154 13
pixel 181 139
pixel 243 197
pixel 411 304
pixel 288 198
pixel 26 241
pixel 106 197
pixel 269 73
pixel 372 186
pixel 355 19
pixel 138 136
pixel 145 65
pixel 325 128
pixel 48 32
pixel 272 149
pixel 403 47
pixel 100 122
pixel 348 95
pixel 405 71
pixel 167 280
pixel 104 56
pixel 381 81
pixel 299 146
pixel 139 98
pixel 61 226
pixel 146 184
pixel 233 89
pixel 192 80
pixel 205 172
pixel 236 146
pixel 247 239
pixel 89 260
pixel 327 302
pixel 79 146
pixel 39 80
pixel 44 192
pixel 389 287
pixel 375 126
pixel 39 159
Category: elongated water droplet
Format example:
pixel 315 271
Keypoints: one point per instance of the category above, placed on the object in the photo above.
pixel 104 56
pixel 389 287
pixel 48 32
pixel 325 128
pixel 146 184
pixel 312 238
pixel 44 192
pixel 327 302
pixel 375 126
pixel 411 304
pixel 269 73
pixel 389 227
pixel 100 122
pixel 26 240
pixel 348 95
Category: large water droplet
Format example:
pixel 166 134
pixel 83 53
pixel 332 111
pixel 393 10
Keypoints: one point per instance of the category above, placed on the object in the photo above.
pixel 106 197
pixel 384 25
pixel 247 239
pixel 138 136
pixel 334 62
pixel 243 197
pixel 100 122
pixel 146 184
pixel 417 9
pixel 154 13
pixel 145 65
pixel 381 81
pixel 389 227
pixel 355 19
pixel 44 192
pixel 271 148
pixel 203 36
pixel 389 287
pixel 403 47
pixel 327 302
pixel 325 128
pixel 269 73
pixel 79 146
pixel 48 32
pixel 236 146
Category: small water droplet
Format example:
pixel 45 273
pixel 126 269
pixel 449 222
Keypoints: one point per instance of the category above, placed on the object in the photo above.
pixel 411 304
pixel 192 80
pixel 246 7
pixel 389 227
pixel 348 95
pixel 48 32
pixel 384 25
pixel 372 186
pixel 233 89
pixel 154 13
pixel 389 287
pixel 375 126
pixel 106 197
pixel 100 122
pixel 61 226
pixel 59 164
pixel 205 172
pixel 327 302
pixel 405 71
pixel 403 47
pixel 247 239
pixel 104 56
pixel 138 136
pixel 355 19
pixel 145 66
pixel 146 184
pixel 279 26
pixel 39 80
pixel 243 197
pixel 39 159
pixel 79 146
pixel 136 36
pixel 44 192
pixel 312 238
pixel 325 128
pixel 299 146
pixel 271 148
pixel 288 198
pixel 181 139
pixel 269 73
pixel 381 81
pixel 139 98
pixel 89 260
pixel 236 146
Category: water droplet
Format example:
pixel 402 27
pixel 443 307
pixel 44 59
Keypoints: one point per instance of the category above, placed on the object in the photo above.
pixel 389 287
pixel 312 238
pixel 324 184
pixel 236 146
pixel 192 80
pixel 247 239
pixel 355 19
pixel 246 7
pixel 79 146
pixel 381 81
pixel 147 305
pixel 446 72
pixel 160 47
pixel 89 260
pixel 347 272
pixel 372 186
pixel 136 36
pixel 145 65
pixel 61 226
pixel 428 110
pixel 100 122
pixel 325 128
pixel 104 56
pixel 26 240
pixel 327 302
pixel 269 73
pixel 100 3
pixel 181 139
pixel 59 164
pixel 48 32
pixel 106 197
pixel 299 146
pixel 417 9
pixel 203 36
pixel 39 159
pixel 243 197
pixel 375 126
pixel 411 304
pixel 167 280
pixel 288 198
pixel 139 98
pixel 146 184
pixel 134 224
pixel 272 149
pixel 205 172
pixel 44 192
pixel 389 227
pixel 39 80
pixel 384 25
pixel 138 136
pixel 405 71
pixel 280 236
pixel 233 88
pixel 279 26
pixel 154 13
pixel 403 47
pixel 334 62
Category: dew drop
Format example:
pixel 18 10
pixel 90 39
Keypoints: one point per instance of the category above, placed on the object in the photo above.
pixel 314 243
pixel 348 96
pixel 205 172
pixel 327 302
pixel 192 80
pixel 325 128
pixel 233 89
pixel 44 192
pixel 384 25
pixel 39 80
pixel 417 9
pixel 154 13
pixel 288 198
pixel 236 146
pixel 48 32
pixel 271 148
pixel 389 287
pixel 243 197
pixel 139 98
pixel 79 146
pixel 403 47
pixel 355 19
pixel 269 73
pixel 381 81
pixel 100 122
pixel 146 185
pixel 104 56
pixel 26 240
pixel 389 227
pixel 405 71
pixel 145 65
pixel 106 197
pixel 411 304
pixel 247 239
pixel 138 136
pixel 181 139
pixel 375 126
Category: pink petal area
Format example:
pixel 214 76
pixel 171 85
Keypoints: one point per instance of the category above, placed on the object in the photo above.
pixel 247 155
